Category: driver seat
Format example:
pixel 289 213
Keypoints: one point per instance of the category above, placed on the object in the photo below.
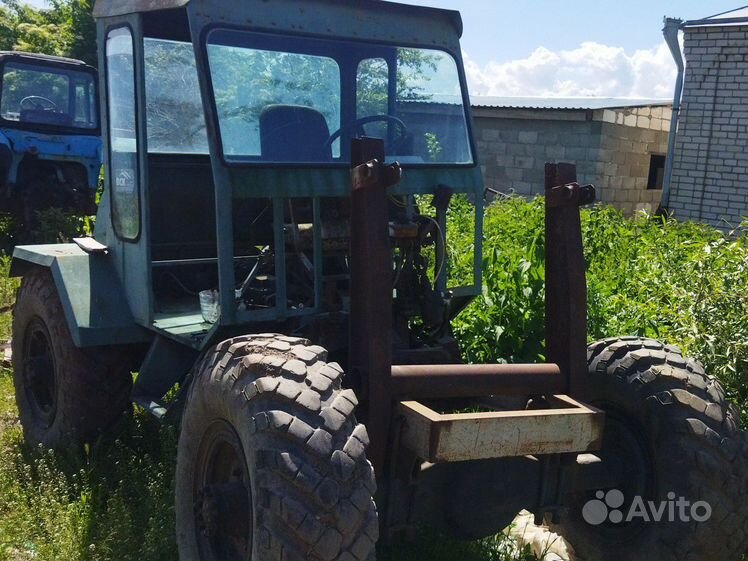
pixel 294 133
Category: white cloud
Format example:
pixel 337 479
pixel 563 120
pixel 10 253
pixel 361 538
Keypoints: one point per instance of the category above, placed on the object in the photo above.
pixel 592 69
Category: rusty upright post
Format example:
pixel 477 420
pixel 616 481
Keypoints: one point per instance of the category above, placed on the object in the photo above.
pixel 370 351
pixel 566 284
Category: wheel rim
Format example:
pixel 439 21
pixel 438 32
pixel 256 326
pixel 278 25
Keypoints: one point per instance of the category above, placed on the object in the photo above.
pixel 40 380
pixel 627 451
pixel 628 462
pixel 223 499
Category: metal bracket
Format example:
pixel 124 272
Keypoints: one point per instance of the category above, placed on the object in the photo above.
pixel 571 195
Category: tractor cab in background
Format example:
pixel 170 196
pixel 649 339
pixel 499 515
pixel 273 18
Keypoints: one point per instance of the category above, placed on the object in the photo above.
pixel 50 146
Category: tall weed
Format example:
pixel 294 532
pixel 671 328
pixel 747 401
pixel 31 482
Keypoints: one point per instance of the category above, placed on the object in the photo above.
pixel 680 282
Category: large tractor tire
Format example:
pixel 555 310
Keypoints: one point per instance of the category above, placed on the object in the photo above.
pixel 66 396
pixel 670 435
pixel 271 463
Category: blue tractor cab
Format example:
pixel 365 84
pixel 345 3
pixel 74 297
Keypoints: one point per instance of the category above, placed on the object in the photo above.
pixel 50 146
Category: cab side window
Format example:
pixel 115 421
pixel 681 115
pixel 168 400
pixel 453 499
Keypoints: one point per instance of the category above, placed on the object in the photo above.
pixel 124 175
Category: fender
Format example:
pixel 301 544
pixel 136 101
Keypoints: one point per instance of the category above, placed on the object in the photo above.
pixel 85 150
pixel 91 293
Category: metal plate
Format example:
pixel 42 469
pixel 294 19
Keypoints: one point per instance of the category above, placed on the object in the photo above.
pixel 571 428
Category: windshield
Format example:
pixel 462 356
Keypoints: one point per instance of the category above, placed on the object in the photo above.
pixel 48 96
pixel 285 99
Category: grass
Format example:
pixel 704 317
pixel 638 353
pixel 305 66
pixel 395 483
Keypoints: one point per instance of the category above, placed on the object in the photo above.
pixel 116 502
pixel 684 283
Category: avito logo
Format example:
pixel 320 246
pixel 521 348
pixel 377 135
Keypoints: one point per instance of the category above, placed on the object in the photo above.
pixel 608 507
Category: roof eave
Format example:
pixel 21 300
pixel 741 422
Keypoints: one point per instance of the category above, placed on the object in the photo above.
pixel 721 22
pixel 112 8
pixel 37 57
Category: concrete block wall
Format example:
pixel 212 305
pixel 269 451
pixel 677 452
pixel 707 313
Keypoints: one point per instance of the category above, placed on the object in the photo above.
pixel 652 118
pixel 613 156
pixel 626 153
pixel 513 152
pixel 710 168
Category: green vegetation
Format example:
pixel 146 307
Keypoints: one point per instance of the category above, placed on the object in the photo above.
pixel 66 28
pixel 682 283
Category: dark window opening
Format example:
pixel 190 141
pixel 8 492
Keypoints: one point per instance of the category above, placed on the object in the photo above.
pixel 656 171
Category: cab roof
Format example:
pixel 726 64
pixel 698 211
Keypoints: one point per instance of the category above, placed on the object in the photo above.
pixel 36 57
pixel 112 8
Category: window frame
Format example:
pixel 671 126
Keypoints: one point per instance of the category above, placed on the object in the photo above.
pixel 150 149
pixel 138 148
pixel 254 159
pixel 656 156
pixel 238 163
pixel 50 66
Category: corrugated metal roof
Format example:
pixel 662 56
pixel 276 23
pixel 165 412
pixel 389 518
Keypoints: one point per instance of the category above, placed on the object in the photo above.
pixel 568 103
pixel 739 16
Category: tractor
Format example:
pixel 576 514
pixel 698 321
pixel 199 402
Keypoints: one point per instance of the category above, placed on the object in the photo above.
pixel 272 260
pixel 50 146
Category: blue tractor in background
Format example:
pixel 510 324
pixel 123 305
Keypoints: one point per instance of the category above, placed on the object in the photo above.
pixel 50 145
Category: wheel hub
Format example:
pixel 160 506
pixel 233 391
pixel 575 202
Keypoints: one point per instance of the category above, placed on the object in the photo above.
pixel 39 372
pixel 223 505
pixel 626 470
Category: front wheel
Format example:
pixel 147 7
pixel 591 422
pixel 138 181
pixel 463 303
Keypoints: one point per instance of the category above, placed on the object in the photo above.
pixel 271 464
pixel 673 456
pixel 65 395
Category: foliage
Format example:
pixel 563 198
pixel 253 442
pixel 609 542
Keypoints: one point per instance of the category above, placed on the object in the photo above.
pixel 54 224
pixel 8 289
pixel 65 29
pixel 83 506
pixel 679 282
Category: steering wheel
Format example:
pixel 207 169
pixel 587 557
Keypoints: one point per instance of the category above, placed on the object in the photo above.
pixel 38 103
pixel 357 127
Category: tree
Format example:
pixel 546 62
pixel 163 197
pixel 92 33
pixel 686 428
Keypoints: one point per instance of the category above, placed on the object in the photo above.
pixel 65 29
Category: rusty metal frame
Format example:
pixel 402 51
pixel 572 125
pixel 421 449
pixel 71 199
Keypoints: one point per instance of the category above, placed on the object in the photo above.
pixel 370 349
pixel 445 381
pixel 566 283
pixel 370 352
pixel 568 426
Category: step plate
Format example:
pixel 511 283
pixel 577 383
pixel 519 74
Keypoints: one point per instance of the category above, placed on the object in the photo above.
pixel 569 427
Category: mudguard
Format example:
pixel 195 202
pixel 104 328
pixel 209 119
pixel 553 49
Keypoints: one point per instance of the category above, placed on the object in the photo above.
pixel 85 150
pixel 92 296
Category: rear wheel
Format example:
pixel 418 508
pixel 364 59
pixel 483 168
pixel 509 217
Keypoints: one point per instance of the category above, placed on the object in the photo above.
pixel 65 395
pixel 670 436
pixel 271 463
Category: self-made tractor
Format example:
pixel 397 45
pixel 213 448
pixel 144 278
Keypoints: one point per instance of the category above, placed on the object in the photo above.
pixel 258 245
pixel 50 149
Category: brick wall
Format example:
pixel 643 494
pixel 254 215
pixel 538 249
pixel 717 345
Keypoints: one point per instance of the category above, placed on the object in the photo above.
pixel 710 167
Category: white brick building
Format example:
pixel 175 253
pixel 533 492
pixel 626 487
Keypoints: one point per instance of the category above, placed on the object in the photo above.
pixel 710 166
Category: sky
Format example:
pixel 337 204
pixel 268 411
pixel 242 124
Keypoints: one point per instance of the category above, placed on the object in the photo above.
pixel 569 48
